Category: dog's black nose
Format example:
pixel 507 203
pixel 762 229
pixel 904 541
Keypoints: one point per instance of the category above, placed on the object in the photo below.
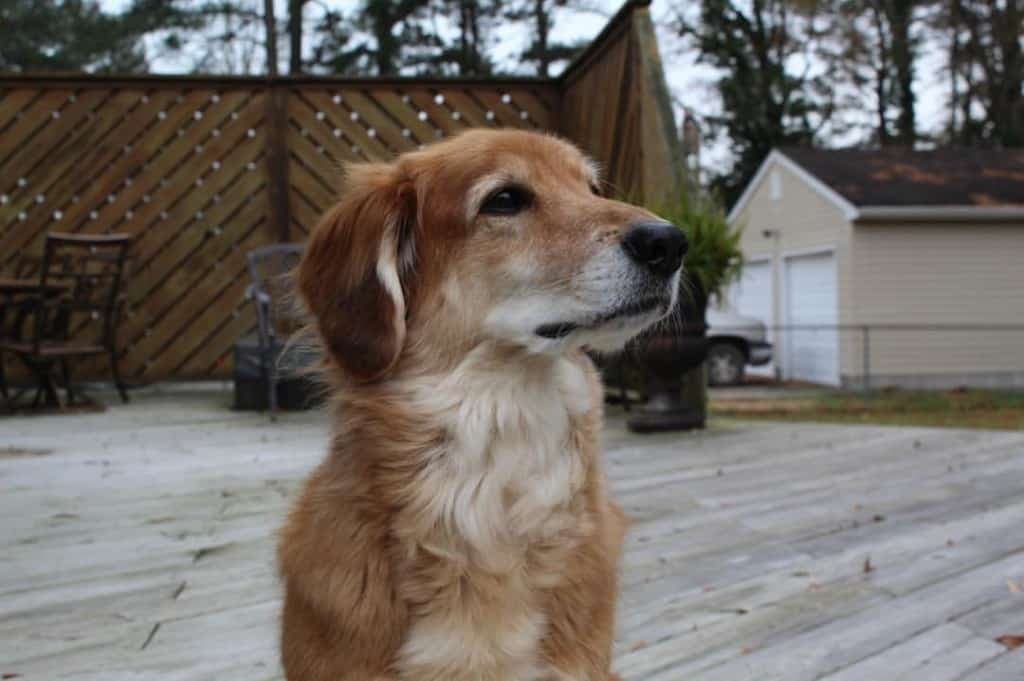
pixel 659 246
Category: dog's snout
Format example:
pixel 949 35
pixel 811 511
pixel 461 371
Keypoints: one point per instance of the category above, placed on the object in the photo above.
pixel 659 246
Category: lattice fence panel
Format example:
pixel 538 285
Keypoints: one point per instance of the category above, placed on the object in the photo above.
pixel 182 165
pixel 203 170
pixel 179 167
pixel 330 126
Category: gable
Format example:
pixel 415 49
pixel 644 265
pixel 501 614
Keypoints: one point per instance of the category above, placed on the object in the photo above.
pixel 762 183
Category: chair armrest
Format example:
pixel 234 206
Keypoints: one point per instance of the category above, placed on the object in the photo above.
pixel 252 292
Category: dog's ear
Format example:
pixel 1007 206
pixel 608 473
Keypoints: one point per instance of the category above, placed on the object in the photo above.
pixel 355 268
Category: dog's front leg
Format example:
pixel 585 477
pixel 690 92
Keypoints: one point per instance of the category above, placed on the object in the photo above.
pixel 581 611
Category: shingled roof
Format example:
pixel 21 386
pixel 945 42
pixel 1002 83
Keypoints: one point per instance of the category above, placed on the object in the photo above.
pixel 900 177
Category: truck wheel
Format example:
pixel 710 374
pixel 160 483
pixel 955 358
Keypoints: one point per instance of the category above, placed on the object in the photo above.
pixel 726 364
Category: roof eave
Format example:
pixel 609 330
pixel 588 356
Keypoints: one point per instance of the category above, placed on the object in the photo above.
pixel 872 214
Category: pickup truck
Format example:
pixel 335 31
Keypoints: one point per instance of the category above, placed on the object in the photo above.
pixel 734 341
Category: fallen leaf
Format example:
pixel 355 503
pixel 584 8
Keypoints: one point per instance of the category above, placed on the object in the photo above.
pixel 1011 641
pixel 11 676
pixel 868 567
pixel 639 645
pixel 1013 586
pixel 950 543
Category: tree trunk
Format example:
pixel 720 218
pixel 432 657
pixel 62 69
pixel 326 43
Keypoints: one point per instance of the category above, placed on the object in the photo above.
pixel 270 24
pixel 1012 104
pixel 540 14
pixel 295 36
pixel 882 74
pixel 900 18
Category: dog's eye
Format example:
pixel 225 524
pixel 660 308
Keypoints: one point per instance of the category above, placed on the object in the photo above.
pixel 506 201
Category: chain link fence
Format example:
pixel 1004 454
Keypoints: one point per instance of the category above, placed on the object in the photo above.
pixel 871 356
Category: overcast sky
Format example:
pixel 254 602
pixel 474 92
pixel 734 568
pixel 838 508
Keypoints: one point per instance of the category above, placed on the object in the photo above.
pixel 691 83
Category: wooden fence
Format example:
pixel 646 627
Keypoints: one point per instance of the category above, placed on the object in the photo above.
pixel 202 170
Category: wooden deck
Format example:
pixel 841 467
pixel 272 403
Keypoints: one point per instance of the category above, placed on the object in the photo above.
pixel 138 544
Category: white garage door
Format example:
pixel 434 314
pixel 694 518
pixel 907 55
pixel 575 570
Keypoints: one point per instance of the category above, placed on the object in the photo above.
pixel 752 295
pixel 810 291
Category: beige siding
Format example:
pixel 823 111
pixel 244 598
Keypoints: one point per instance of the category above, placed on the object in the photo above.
pixel 942 274
pixel 805 220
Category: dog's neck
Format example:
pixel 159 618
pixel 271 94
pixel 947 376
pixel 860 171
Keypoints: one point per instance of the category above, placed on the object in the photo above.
pixel 504 465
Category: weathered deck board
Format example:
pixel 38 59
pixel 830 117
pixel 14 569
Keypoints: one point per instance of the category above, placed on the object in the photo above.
pixel 138 544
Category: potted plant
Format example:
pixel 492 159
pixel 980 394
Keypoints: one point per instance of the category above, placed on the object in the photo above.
pixel 671 355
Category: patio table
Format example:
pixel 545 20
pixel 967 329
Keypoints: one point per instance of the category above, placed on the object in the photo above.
pixel 12 288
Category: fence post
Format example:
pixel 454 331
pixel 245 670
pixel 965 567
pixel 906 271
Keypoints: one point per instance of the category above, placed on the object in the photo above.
pixel 866 349
pixel 277 159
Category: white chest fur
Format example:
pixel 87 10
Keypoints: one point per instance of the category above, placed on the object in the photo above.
pixel 502 484
pixel 509 464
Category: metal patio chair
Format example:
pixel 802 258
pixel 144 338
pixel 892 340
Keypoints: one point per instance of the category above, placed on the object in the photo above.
pixel 72 313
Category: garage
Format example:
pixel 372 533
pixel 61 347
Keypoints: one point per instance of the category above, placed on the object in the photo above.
pixel 811 354
pixel 752 295
pixel 872 237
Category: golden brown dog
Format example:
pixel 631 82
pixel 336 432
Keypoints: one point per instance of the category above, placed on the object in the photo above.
pixel 460 528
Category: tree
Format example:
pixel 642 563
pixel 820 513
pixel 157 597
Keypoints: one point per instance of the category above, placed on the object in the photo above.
pixel 295 34
pixel 234 38
pixel 467 54
pixel 542 51
pixel 270 35
pixel 877 53
pixel 78 35
pixel 987 59
pixel 382 38
pixel 766 103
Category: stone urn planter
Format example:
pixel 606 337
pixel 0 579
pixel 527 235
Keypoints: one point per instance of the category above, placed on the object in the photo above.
pixel 671 356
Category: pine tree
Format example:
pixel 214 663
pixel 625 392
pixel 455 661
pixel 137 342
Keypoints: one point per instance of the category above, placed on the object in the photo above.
pixel 78 35
pixel 765 104
pixel 381 37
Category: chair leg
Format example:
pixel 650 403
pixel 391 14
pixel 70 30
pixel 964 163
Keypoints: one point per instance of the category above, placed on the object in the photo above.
pixel 272 390
pixel 3 381
pixel 65 371
pixel 47 389
pixel 121 389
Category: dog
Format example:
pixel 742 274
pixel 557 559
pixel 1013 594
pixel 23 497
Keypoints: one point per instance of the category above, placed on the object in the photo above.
pixel 460 528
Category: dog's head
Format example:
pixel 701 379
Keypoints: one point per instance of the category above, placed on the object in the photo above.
pixel 490 236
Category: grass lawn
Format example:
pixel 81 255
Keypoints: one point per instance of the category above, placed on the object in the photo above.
pixel 954 408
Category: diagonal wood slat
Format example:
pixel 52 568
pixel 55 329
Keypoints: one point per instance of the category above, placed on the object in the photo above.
pixel 179 167
pixel 332 126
